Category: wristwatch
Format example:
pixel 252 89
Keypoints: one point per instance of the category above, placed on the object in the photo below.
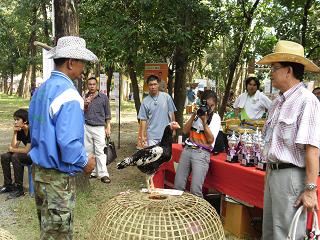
pixel 310 186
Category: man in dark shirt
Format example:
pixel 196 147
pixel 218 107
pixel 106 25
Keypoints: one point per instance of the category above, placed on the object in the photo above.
pixel 97 127
pixel 17 155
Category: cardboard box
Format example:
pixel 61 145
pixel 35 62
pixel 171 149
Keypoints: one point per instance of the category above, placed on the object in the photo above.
pixel 240 220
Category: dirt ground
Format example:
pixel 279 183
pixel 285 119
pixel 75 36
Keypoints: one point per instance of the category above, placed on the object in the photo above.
pixel 19 215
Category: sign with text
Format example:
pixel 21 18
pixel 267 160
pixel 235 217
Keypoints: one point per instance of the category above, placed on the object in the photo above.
pixel 158 69
pixel 103 83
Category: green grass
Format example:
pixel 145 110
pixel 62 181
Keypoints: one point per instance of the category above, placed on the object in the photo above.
pixel 9 104
pixel 21 219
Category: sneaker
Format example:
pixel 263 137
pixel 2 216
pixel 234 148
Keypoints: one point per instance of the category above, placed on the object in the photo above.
pixel 92 176
pixel 7 189
pixel 105 179
pixel 15 194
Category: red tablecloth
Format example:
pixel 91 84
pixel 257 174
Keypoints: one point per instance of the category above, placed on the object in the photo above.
pixel 243 183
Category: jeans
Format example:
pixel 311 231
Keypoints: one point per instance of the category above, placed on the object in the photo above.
pixel 196 160
pixel 19 160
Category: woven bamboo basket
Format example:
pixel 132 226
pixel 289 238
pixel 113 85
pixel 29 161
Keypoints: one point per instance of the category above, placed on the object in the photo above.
pixel 139 216
pixel 5 235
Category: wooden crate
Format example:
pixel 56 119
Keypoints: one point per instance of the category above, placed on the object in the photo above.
pixel 240 220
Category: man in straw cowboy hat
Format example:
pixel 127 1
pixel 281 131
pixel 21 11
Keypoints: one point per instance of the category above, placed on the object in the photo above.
pixel 292 138
pixel 57 144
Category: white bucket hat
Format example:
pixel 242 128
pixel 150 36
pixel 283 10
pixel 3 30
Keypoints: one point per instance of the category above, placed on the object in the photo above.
pixel 287 51
pixel 72 47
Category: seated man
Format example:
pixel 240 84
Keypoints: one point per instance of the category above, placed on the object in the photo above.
pixel 17 155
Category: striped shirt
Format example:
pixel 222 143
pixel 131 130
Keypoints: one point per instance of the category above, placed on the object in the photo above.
pixel 293 122
pixel 197 130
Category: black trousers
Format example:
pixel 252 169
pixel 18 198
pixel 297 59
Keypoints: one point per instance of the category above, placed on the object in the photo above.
pixel 19 160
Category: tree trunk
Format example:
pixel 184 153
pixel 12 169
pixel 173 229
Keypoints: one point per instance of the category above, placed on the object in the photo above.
pixel 33 50
pixel 233 64
pixel 237 78
pixel 45 22
pixel 21 83
pixel 110 70
pixel 135 87
pixel 170 80
pixel 191 70
pixel 181 63
pixel 5 83
pixel 11 83
pixel 1 84
pixel 304 24
pixel 66 18
pixel 27 83
pixel 67 24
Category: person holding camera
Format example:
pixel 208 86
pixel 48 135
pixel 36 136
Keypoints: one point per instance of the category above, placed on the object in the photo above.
pixel 203 127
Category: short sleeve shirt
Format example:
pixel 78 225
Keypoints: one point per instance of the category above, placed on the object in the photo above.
pixel 214 126
pixel 98 111
pixel 157 112
pixel 254 105
pixel 293 122
pixel 22 137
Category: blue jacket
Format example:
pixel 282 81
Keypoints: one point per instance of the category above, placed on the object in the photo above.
pixel 57 126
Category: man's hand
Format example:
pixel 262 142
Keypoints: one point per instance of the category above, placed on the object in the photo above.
pixel 90 165
pixel 108 131
pixel 88 100
pixel 308 199
pixel 10 149
pixel 204 119
pixel 144 142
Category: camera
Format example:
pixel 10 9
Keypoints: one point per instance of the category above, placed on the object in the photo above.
pixel 203 108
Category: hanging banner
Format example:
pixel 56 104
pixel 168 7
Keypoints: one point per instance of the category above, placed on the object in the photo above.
pixel 48 65
pixel 158 69
pixel 103 83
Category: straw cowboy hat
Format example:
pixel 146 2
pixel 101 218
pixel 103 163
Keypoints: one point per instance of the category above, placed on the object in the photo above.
pixel 72 47
pixel 287 51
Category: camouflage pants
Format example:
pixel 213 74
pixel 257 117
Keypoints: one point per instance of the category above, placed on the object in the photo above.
pixel 55 201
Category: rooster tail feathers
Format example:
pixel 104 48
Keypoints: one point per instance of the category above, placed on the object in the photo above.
pixel 124 163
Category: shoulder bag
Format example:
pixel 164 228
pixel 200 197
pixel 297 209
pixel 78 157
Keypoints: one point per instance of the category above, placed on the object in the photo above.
pixel 110 151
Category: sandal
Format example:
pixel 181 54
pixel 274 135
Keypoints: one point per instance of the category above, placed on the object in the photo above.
pixel 105 179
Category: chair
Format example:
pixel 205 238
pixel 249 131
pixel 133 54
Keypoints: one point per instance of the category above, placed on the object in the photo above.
pixel 31 188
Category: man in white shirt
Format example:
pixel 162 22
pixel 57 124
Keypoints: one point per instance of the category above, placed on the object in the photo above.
pixel 252 104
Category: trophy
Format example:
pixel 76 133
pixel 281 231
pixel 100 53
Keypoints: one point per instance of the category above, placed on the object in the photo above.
pixel 256 146
pixel 241 147
pixel 232 143
pixel 248 151
pixel 259 153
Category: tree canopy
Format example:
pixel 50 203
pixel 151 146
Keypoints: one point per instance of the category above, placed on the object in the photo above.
pixel 218 40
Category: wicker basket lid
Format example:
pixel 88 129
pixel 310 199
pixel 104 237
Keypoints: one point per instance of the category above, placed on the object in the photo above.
pixel 5 235
pixel 139 216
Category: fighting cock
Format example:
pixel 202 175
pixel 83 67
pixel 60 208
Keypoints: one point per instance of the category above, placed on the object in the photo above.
pixel 149 159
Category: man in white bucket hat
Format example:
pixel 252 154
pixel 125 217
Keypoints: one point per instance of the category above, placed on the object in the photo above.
pixel 292 138
pixel 57 139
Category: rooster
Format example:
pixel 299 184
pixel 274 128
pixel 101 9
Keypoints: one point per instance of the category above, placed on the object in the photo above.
pixel 149 159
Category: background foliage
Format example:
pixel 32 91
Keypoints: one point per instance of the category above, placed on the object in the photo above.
pixel 212 39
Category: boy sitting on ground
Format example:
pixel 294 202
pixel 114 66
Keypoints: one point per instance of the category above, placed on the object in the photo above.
pixel 17 155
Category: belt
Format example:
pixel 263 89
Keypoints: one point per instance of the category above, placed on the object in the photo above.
pixel 198 147
pixel 91 125
pixel 192 146
pixel 277 166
